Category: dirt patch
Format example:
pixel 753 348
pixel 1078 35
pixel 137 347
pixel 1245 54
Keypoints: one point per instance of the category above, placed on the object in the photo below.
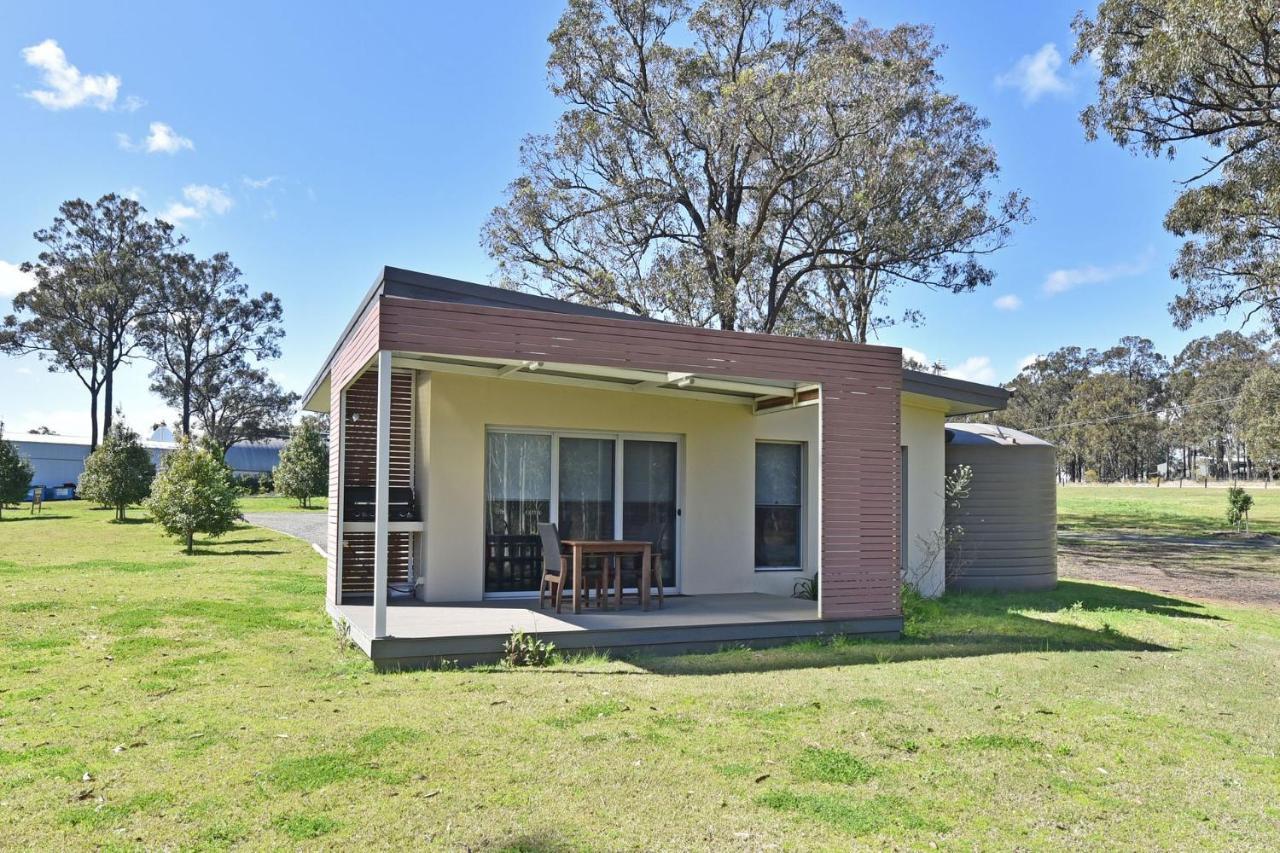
pixel 1234 568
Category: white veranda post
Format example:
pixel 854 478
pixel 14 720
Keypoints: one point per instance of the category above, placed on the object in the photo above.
pixel 382 513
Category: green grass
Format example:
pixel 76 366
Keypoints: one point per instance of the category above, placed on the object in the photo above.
pixel 1190 510
pixel 280 503
pixel 210 706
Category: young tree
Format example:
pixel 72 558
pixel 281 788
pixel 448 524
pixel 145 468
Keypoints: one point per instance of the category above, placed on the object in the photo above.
pixel 119 472
pixel 1200 71
pixel 94 283
pixel 303 472
pixel 207 319
pixel 234 402
pixel 193 493
pixel 749 164
pixel 15 473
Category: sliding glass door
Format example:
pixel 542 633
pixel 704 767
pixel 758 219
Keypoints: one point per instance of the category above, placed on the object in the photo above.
pixel 585 508
pixel 649 508
pixel 517 497
pixel 592 486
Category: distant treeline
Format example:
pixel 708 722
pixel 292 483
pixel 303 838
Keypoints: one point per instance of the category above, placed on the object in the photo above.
pixel 1131 413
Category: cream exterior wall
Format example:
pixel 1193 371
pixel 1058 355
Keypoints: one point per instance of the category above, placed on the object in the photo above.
pixel 716 536
pixel 924 436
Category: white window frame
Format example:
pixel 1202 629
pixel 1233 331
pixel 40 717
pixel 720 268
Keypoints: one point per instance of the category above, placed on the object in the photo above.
pixel 618 476
pixel 802 526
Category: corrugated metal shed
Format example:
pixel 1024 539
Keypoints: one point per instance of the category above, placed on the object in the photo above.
pixel 59 459
pixel 1010 516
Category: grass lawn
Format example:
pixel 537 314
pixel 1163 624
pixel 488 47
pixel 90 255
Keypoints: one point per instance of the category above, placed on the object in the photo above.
pixel 153 700
pixel 280 503
pixel 1190 510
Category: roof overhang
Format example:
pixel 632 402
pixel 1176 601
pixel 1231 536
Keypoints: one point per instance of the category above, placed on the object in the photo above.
pixel 757 394
pixel 953 396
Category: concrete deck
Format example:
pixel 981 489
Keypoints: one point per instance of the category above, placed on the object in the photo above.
pixel 473 632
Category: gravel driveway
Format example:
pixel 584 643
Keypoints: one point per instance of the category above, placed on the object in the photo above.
pixel 307 526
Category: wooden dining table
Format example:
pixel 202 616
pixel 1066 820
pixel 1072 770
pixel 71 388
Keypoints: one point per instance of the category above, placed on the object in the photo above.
pixel 580 548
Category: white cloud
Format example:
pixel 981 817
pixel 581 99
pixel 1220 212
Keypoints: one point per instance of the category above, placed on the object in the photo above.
pixel 199 201
pixel 259 183
pixel 67 88
pixel 976 368
pixel 1036 74
pixel 1008 302
pixel 161 140
pixel 1062 280
pixel 1028 360
pixel 13 280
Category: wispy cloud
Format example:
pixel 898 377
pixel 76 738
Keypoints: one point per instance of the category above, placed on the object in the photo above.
pixel 160 140
pixel 1028 360
pixel 13 280
pixel 1036 75
pixel 1062 280
pixel 975 368
pixel 199 201
pixel 65 86
pixel 1008 302
pixel 259 183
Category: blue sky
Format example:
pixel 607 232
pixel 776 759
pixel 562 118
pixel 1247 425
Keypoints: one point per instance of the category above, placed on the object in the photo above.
pixel 316 147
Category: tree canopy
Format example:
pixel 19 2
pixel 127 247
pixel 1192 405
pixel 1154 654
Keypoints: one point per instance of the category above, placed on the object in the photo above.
pixel 303 472
pixel 235 402
pixel 750 164
pixel 193 493
pixel 205 318
pixel 1200 73
pixel 1125 411
pixel 119 472
pixel 94 284
pixel 15 473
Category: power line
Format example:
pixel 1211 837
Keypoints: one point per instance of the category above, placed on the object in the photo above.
pixel 1131 415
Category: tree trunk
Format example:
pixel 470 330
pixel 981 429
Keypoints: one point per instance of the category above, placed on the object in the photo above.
pixel 93 421
pixel 191 542
pixel 108 384
pixel 186 405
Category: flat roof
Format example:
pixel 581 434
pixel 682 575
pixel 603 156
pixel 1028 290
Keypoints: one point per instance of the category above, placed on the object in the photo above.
pixel 966 397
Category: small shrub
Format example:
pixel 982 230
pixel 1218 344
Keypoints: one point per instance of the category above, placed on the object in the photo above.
pixel 806 588
pixel 522 649
pixel 15 473
pixel 1239 502
pixel 119 472
pixel 193 493
pixel 249 484
pixel 303 472
pixel 1091 476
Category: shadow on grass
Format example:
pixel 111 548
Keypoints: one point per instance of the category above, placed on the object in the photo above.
pixel 5 519
pixel 208 550
pixel 956 626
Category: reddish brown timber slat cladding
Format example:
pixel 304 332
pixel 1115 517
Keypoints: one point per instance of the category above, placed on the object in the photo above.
pixel 860 395
pixel 359 441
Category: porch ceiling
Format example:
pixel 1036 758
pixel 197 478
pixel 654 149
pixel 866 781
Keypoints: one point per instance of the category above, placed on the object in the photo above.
pixel 760 394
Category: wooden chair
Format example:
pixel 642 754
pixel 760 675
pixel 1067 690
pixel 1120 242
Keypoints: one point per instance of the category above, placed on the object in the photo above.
pixel 633 571
pixel 556 570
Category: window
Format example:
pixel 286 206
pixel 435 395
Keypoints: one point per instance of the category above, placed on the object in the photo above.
pixel 779 504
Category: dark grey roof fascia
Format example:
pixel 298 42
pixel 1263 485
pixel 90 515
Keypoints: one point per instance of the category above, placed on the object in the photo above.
pixel 988 398
pixel 418 285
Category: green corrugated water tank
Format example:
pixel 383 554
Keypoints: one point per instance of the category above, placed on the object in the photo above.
pixel 1010 517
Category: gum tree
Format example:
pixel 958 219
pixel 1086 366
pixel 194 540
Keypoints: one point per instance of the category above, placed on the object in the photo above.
pixel 749 164
pixel 1200 74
